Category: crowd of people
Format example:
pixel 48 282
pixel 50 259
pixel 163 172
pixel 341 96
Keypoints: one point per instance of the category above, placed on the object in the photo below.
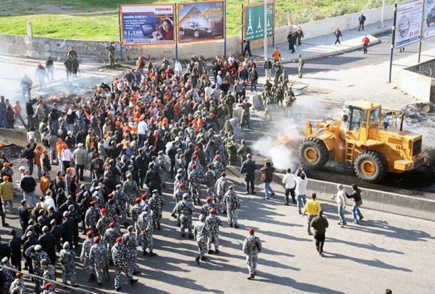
pixel 133 136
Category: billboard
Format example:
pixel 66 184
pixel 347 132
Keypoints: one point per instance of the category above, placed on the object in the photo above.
pixel 254 21
pixel 429 19
pixel 408 23
pixel 198 21
pixel 147 24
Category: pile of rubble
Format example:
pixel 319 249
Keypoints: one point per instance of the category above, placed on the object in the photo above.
pixel 11 150
pixel 419 112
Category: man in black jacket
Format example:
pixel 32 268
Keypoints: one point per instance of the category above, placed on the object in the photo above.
pixel 30 112
pixel 24 213
pixel 248 168
pixel 152 179
pixel 15 245
pixel 49 244
pixel 142 162
pixel 28 185
pixel 29 154
pixel 247 47
pixel 67 228
pixel 5 251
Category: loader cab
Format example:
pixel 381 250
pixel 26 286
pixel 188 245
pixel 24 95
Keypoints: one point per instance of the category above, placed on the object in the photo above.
pixel 361 120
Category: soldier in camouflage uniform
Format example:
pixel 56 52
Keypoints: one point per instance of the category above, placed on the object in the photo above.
pixel 218 165
pixel 278 72
pixel 130 188
pixel 109 237
pixel 112 208
pixel 136 210
pixel 36 254
pixel 68 265
pixel 229 101
pixel 243 151
pixel 289 100
pixel 209 205
pixel 49 271
pixel 85 255
pixel 99 198
pixel 221 188
pixel 91 216
pixel 111 53
pixel 184 210
pixel 8 274
pixel 251 248
pixel 146 228
pixel 130 240
pixel 120 255
pixel 194 184
pixel 201 233
pixel 213 222
pixel 122 200
pixel 179 192
pixel 246 114
pixel 156 204
pixel 209 181
pixel 232 204
pixel 103 222
pixel 18 283
pixel 99 257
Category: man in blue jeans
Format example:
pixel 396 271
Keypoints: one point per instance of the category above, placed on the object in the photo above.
pixel 267 178
pixel 301 189
pixel 340 199
pixel 356 196
pixel 28 185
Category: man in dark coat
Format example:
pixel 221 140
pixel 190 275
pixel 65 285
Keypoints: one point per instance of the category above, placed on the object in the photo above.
pixel 49 244
pixel 15 245
pixel 248 168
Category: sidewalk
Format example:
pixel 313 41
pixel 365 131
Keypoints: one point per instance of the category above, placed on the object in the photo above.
pixel 324 46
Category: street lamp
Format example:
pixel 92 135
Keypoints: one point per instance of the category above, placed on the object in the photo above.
pixel 265 30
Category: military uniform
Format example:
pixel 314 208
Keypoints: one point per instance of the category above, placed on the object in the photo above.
pixel 229 101
pixel 210 182
pixel 146 227
pixel 156 204
pixel 99 258
pixel 130 188
pixel 103 224
pixel 213 222
pixel 120 256
pixel 91 218
pixel 195 184
pixel 50 274
pixel 246 114
pixel 221 188
pixel 36 257
pixel 201 233
pixel 243 151
pixel 131 246
pixel 68 266
pixel 110 237
pixel 184 209
pixel 85 256
pixel 123 204
pixel 8 275
pixel 112 210
pixel 206 208
pixel 18 283
pixel 232 204
pixel 251 247
pixel 111 54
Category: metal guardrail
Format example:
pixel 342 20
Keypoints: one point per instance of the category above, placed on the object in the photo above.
pixel 68 288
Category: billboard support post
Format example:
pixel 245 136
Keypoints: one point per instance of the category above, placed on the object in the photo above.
pixel 120 36
pixel 176 31
pixel 225 28
pixel 422 34
pixel 265 29
pixel 243 25
pixel 273 25
pixel 393 39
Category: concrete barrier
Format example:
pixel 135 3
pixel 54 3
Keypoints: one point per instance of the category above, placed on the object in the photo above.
pixel 8 136
pixel 411 206
pixel 417 80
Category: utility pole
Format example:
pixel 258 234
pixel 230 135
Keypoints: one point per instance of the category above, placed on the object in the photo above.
pixel 382 13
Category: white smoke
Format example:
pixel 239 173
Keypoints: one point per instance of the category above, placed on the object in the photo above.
pixel 286 133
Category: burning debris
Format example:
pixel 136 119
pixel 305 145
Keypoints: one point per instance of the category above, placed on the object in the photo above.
pixel 11 150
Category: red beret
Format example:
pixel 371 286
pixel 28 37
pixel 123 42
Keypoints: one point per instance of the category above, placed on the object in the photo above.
pixel 47 286
pixel 251 231
pixel 224 174
pixel 112 224
pixel 196 148
pixel 181 185
pixel 212 211
pixel 103 210
pixel 194 166
pixel 119 239
pixel 138 200
pixel 93 202
pixel 97 239
pixel 208 199
pixel 90 233
pixel 194 156
pixel 216 157
pixel 110 195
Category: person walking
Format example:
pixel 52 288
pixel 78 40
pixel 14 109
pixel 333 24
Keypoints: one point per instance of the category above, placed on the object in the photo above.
pixel 365 41
pixel 80 157
pixel 300 65
pixel 247 47
pixel 357 202
pixel 268 68
pixel 276 54
pixel 289 184
pixel 17 112
pixel 251 248
pixel 267 178
pixel 319 224
pixel 299 35
pixel 253 78
pixel 340 199
pixel 361 20
pixel 248 168
pixel 301 189
pixel 49 65
pixel 291 42
pixel 337 34
pixel 312 208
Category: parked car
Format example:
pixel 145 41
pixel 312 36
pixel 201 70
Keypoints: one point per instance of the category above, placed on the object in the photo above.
pixel 195 29
pixel 430 17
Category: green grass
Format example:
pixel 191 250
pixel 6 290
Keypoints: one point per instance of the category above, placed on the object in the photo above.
pixel 98 19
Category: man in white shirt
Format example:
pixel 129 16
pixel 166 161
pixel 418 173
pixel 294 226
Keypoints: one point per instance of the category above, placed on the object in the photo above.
pixel 301 189
pixel 219 79
pixel 142 128
pixel 340 199
pixel 289 185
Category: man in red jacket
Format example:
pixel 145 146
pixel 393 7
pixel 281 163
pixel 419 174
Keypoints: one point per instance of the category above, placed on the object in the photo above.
pixel 365 41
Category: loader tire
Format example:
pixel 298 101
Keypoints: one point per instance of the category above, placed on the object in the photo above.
pixel 371 166
pixel 313 153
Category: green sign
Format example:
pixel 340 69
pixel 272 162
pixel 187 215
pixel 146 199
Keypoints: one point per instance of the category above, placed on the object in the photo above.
pixel 254 21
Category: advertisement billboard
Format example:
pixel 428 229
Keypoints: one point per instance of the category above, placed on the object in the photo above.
pixel 429 19
pixel 198 21
pixel 147 24
pixel 254 21
pixel 408 26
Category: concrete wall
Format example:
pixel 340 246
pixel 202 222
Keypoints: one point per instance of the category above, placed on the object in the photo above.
pixel 417 80
pixel 44 47
pixel 416 207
